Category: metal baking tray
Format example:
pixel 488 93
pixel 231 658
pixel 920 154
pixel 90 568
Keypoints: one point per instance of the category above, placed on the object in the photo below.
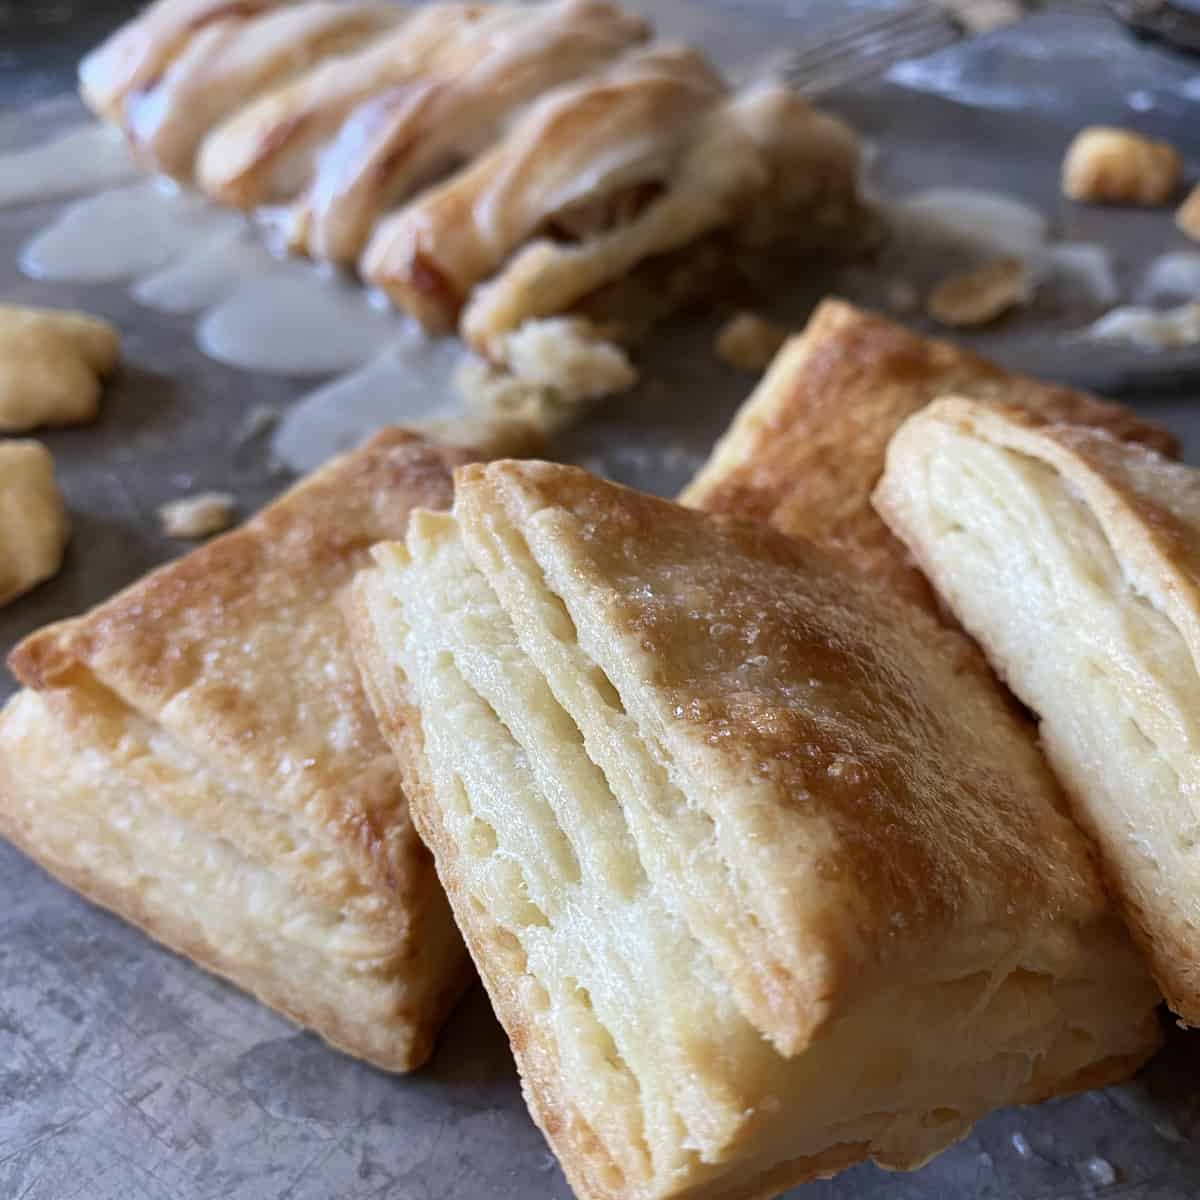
pixel 127 1073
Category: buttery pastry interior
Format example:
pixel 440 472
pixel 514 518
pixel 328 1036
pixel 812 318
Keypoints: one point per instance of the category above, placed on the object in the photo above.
pixel 197 755
pixel 763 876
pixel 490 167
pixel 1075 561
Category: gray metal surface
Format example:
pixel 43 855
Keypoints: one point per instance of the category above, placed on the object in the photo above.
pixel 126 1073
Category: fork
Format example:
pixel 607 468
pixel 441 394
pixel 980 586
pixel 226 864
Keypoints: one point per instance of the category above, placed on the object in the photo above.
pixel 865 46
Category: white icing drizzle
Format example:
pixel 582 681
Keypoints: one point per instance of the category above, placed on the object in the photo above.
pixel 81 159
pixel 408 382
pixel 1172 277
pixel 295 320
pixel 122 234
pixel 206 275
pixel 994 221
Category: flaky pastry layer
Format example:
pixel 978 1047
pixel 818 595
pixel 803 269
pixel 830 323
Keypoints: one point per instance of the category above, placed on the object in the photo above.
pixel 703 854
pixel 211 714
pixel 1074 559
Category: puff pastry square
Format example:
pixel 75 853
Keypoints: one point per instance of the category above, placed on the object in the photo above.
pixel 806 449
pixel 762 877
pixel 197 755
pixel 1074 559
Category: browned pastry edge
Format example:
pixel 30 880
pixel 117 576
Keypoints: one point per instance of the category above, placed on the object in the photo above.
pixel 806 449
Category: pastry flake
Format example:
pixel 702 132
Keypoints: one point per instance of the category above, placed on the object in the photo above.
pixel 52 362
pixel 807 447
pixel 34 528
pixel 689 785
pixel 1117 166
pixel 1074 559
pixel 199 516
pixel 980 296
pixel 197 754
pixel 749 342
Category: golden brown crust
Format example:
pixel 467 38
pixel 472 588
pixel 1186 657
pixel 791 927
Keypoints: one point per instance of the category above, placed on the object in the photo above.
pixel 805 451
pixel 222 688
pixel 618 718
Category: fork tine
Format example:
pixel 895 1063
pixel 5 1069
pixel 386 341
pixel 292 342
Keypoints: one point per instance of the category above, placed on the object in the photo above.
pixel 849 60
pixel 895 23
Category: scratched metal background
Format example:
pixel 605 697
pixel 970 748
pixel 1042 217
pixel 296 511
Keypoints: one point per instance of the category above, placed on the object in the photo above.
pixel 127 1074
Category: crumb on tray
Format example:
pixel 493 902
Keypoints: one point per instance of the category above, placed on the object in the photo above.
pixel 1116 166
pixel 749 342
pixel 979 296
pixel 199 516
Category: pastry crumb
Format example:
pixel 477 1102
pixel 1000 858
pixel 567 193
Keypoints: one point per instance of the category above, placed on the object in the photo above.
pixel 569 356
pixel 199 516
pixel 749 342
pixel 34 528
pixel 52 363
pixel 1187 218
pixel 1116 166
pixel 976 297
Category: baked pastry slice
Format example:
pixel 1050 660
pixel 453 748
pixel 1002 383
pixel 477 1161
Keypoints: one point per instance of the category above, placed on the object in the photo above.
pixel 229 62
pixel 761 876
pixel 409 136
pixel 806 449
pixel 137 53
pixel 1074 559
pixel 588 156
pixel 197 755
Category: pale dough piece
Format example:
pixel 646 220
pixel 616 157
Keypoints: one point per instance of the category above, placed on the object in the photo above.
pixel 807 447
pixel 1074 559
pixel 1117 166
pixel 34 528
pixel 763 875
pixel 52 362
pixel 197 754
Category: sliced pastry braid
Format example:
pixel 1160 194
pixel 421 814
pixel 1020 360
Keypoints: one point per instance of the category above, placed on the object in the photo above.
pixel 519 173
